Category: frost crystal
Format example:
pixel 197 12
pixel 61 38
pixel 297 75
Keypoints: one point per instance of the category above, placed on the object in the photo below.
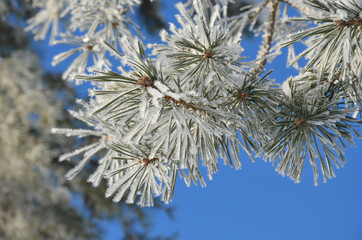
pixel 196 99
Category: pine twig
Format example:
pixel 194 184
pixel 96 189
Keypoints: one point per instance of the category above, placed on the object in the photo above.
pixel 267 37
pixel 257 11
pixel 302 8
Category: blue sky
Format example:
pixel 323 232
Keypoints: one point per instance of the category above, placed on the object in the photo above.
pixel 256 202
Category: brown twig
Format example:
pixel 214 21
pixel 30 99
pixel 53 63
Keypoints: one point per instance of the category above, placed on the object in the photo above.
pixel 243 96
pixel 146 161
pixel 185 104
pixel 145 81
pixel 256 11
pixel 251 15
pixel 342 23
pixel 267 37
pixel 300 121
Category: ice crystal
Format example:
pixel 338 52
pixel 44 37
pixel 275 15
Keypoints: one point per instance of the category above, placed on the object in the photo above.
pixel 196 99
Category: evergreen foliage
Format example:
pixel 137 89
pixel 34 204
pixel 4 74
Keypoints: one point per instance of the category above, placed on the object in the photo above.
pixel 170 108
pixel 36 200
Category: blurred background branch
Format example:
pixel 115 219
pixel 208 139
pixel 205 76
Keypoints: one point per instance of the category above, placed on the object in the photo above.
pixel 35 200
